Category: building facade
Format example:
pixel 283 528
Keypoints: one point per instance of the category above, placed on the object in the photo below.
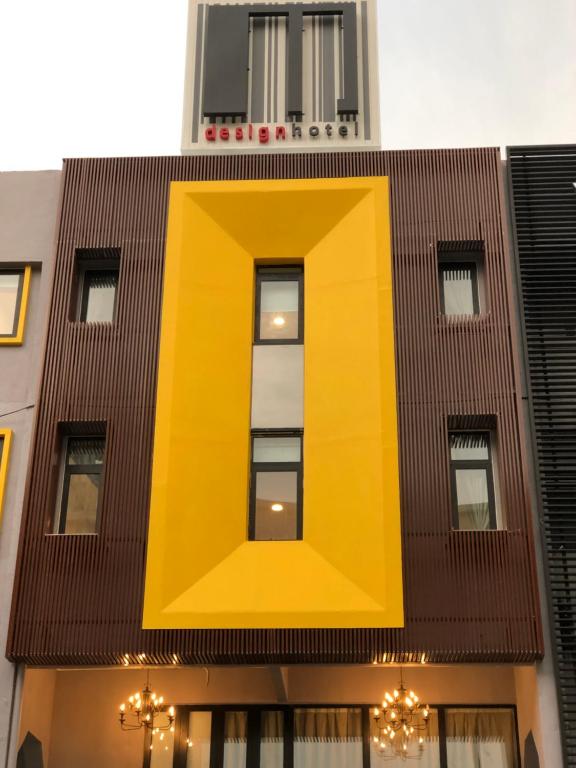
pixel 28 209
pixel 147 432
pixel 543 189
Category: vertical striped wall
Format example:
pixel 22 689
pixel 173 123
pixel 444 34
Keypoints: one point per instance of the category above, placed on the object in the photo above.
pixel 469 596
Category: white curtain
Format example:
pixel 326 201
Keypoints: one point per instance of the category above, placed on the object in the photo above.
pixel 480 738
pixel 272 739
pixel 472 494
pixel 328 738
pixel 235 738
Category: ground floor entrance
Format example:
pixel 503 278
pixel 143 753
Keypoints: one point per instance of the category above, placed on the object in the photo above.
pixel 299 716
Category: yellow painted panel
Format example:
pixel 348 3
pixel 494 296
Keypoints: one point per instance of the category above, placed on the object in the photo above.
pixel 18 337
pixel 5 444
pixel 201 570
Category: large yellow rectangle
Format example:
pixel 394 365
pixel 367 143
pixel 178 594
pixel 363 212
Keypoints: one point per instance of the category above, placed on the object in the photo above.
pixel 202 572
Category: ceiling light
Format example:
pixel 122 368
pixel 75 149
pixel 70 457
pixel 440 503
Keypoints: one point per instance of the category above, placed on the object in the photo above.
pixel 277 507
pixel 279 321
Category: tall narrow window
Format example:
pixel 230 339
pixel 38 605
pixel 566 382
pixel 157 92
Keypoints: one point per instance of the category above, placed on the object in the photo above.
pixel 472 481
pixel 277 417
pixel 83 459
pixel 276 487
pixel 279 306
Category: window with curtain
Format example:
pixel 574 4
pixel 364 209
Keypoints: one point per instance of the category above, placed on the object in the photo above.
pixel 272 739
pixel 472 479
pixel 481 738
pixel 235 739
pixel 331 737
pixel 328 737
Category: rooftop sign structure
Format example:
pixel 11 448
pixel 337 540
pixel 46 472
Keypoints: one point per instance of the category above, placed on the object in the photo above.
pixel 281 77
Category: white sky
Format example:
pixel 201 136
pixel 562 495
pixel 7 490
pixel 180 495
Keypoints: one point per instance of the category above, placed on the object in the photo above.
pixel 106 78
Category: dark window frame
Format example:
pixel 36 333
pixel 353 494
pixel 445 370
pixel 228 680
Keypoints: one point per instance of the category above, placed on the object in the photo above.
pixel 289 273
pixel 254 724
pixel 276 466
pixel 79 469
pixel 101 267
pixel 463 262
pixel 19 294
pixel 486 464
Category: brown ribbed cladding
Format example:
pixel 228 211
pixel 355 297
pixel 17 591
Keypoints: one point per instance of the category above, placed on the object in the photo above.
pixel 468 596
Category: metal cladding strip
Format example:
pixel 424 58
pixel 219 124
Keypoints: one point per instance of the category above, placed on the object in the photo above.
pixel 543 182
pixel 470 596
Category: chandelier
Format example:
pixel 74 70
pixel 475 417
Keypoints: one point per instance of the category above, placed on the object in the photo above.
pixel 143 710
pixel 401 725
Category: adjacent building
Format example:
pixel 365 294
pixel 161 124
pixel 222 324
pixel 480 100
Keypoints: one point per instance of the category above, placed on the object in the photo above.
pixel 543 189
pixel 28 220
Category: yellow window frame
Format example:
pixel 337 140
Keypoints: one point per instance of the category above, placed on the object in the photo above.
pixel 18 338
pixel 6 442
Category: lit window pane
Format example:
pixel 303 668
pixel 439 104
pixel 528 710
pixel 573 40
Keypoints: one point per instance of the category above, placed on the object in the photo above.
pixel 276 449
pixel 276 506
pixel 85 450
pixel 82 503
pixel 272 740
pixel 9 289
pixel 235 739
pixel 199 734
pixel 481 738
pixel 279 309
pixel 99 296
pixel 469 446
pixel 328 737
pixel 473 502
pixel 458 289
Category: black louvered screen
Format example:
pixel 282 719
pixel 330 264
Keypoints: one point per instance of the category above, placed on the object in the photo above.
pixel 543 181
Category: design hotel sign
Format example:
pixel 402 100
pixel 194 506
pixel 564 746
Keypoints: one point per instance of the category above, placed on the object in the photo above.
pixel 281 77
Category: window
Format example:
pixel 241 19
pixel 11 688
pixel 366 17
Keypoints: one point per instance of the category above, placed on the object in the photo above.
pixel 276 486
pixel 472 481
pixel 461 277
pixel 328 736
pixel 459 288
pixel 283 736
pixel 97 275
pixel 83 460
pixel 279 305
pixel 480 738
pixel 14 288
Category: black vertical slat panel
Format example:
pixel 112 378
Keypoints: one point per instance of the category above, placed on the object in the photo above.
pixel 544 215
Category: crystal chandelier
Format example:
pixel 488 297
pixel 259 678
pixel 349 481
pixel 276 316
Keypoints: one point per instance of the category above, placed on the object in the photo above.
pixel 143 710
pixel 401 724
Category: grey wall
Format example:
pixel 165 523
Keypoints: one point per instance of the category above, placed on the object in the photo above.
pixel 28 212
